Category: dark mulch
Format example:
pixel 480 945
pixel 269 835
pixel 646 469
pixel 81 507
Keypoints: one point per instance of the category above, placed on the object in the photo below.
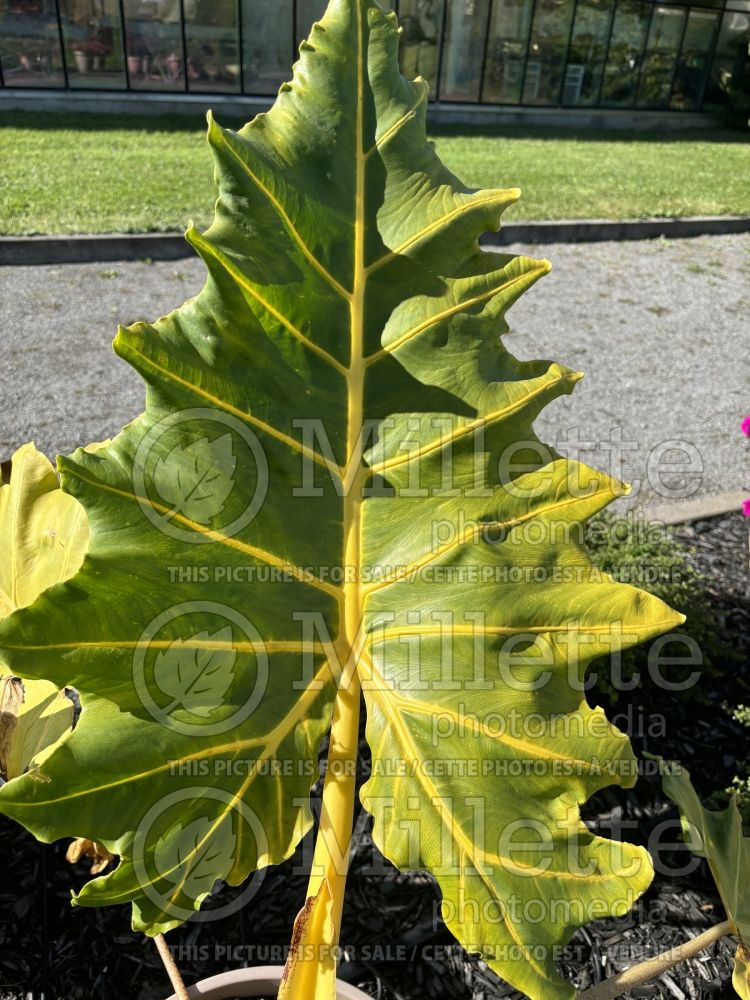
pixel 396 947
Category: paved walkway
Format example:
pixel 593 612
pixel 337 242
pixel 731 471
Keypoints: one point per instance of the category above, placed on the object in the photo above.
pixel 661 329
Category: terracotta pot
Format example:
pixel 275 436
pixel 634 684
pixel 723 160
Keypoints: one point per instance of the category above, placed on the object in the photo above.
pixel 262 981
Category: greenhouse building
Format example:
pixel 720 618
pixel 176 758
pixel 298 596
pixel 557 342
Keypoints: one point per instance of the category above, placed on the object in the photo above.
pixel 640 55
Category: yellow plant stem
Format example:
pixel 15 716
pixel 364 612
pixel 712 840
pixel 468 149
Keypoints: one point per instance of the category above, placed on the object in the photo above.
pixel 310 972
pixel 311 976
pixel 331 858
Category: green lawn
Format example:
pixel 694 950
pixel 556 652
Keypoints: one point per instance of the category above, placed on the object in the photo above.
pixel 78 173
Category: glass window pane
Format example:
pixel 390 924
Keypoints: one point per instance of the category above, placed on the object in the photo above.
pixel 664 37
pixel 153 42
pixel 213 45
pixel 308 11
pixel 30 44
pixel 92 33
pixel 549 42
pixel 463 50
pixel 267 37
pixel 730 71
pixel 506 50
pixel 692 65
pixel 422 21
pixel 588 50
pixel 625 51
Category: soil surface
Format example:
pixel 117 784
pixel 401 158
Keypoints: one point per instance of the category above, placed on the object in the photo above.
pixel 395 945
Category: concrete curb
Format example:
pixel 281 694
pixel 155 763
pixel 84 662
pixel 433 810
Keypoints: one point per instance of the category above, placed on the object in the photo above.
pixel 246 107
pixel 696 510
pixel 598 230
pixel 93 249
pixel 172 246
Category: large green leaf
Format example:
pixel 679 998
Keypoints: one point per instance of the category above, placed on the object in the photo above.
pixel 321 479
pixel 716 835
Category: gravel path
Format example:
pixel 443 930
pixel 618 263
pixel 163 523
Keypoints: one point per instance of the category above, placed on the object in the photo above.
pixel 661 329
pixel 658 326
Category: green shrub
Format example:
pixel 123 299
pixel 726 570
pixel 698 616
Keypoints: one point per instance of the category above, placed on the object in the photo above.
pixel 649 556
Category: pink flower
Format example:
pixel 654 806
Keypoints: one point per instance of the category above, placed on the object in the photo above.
pixel 745 426
pixel 746 508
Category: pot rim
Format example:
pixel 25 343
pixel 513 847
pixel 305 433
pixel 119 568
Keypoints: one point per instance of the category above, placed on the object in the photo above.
pixel 265 977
